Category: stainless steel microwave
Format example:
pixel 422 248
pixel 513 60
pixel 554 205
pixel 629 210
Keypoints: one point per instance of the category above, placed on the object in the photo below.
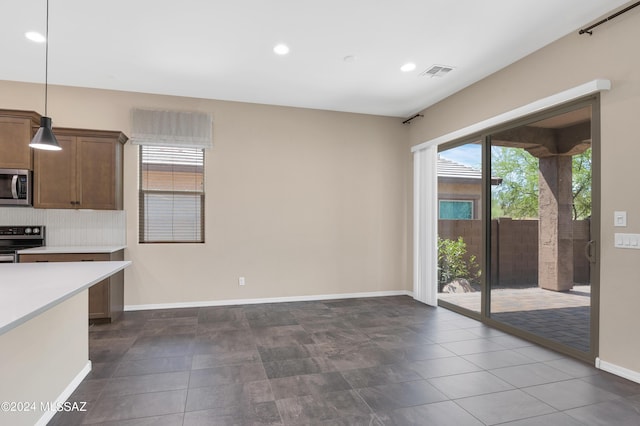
pixel 15 187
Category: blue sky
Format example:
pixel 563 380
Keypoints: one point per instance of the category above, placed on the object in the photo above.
pixel 469 154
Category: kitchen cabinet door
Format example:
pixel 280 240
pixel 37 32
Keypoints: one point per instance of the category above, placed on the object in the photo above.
pixel 54 185
pixel 16 130
pixel 96 173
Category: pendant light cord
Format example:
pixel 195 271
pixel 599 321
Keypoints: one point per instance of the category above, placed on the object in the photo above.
pixel 46 62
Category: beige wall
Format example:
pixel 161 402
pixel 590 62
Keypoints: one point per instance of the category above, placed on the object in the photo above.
pixel 448 190
pixel 610 53
pixel 298 201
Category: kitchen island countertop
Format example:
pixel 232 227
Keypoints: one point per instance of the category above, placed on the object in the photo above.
pixel 72 249
pixel 29 289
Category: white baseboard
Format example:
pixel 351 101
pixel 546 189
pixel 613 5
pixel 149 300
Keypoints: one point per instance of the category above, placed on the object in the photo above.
pixel 230 302
pixel 66 393
pixel 634 376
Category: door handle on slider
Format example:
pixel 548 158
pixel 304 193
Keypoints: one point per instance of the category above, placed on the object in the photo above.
pixel 588 253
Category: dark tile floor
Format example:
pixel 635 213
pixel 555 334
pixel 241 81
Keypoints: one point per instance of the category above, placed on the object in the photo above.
pixel 377 361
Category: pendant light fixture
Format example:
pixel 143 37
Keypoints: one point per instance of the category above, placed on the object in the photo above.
pixel 44 138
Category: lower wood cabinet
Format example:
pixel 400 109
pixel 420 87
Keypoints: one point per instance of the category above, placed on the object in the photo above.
pixel 106 298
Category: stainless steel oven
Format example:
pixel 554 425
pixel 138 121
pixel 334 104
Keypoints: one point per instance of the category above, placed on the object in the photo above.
pixel 15 187
pixel 15 238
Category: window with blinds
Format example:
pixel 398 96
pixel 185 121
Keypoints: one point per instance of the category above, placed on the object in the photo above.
pixel 171 194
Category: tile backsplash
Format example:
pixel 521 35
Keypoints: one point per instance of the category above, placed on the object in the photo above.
pixel 71 227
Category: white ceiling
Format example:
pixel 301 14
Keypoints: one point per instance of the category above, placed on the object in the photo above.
pixel 223 49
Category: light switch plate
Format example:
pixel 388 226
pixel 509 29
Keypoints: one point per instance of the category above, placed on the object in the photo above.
pixel 619 219
pixel 627 241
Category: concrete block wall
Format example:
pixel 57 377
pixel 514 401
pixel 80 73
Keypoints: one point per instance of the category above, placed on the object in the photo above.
pixel 514 245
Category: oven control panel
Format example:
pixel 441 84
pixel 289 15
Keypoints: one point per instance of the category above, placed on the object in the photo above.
pixel 22 231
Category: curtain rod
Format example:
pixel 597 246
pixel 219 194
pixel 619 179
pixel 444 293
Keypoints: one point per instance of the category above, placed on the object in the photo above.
pixel 408 120
pixel 626 9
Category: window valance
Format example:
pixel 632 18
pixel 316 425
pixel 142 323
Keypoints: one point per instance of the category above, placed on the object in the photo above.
pixel 171 128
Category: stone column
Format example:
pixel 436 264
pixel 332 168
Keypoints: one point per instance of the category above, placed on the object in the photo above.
pixel 555 227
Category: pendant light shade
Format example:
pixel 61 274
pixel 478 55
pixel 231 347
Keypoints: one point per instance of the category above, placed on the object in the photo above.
pixel 44 138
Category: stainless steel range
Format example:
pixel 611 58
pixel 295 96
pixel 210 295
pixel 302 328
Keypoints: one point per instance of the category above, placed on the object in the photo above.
pixel 14 238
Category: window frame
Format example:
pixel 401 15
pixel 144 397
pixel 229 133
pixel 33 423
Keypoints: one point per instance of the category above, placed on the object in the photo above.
pixel 142 205
pixel 471 202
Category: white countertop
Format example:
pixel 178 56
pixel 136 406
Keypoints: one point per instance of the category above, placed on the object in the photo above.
pixel 71 249
pixel 28 289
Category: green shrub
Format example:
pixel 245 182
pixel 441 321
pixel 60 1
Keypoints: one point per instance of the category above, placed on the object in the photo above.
pixel 453 263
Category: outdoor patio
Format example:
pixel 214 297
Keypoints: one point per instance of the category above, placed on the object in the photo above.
pixel 559 316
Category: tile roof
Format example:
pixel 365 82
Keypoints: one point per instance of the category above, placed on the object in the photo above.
pixel 448 168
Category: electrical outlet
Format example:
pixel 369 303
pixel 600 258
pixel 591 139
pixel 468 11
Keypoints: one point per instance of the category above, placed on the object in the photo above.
pixel 241 281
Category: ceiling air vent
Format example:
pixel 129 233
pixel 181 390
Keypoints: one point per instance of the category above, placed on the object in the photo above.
pixel 437 71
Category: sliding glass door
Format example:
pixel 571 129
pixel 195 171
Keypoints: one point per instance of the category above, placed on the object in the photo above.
pixel 541 226
pixel 517 226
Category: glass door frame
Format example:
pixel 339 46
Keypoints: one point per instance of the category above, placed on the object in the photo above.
pixel 485 309
pixel 480 316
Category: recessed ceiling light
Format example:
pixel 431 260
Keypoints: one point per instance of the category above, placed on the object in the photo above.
pixel 281 49
pixel 409 66
pixel 35 36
